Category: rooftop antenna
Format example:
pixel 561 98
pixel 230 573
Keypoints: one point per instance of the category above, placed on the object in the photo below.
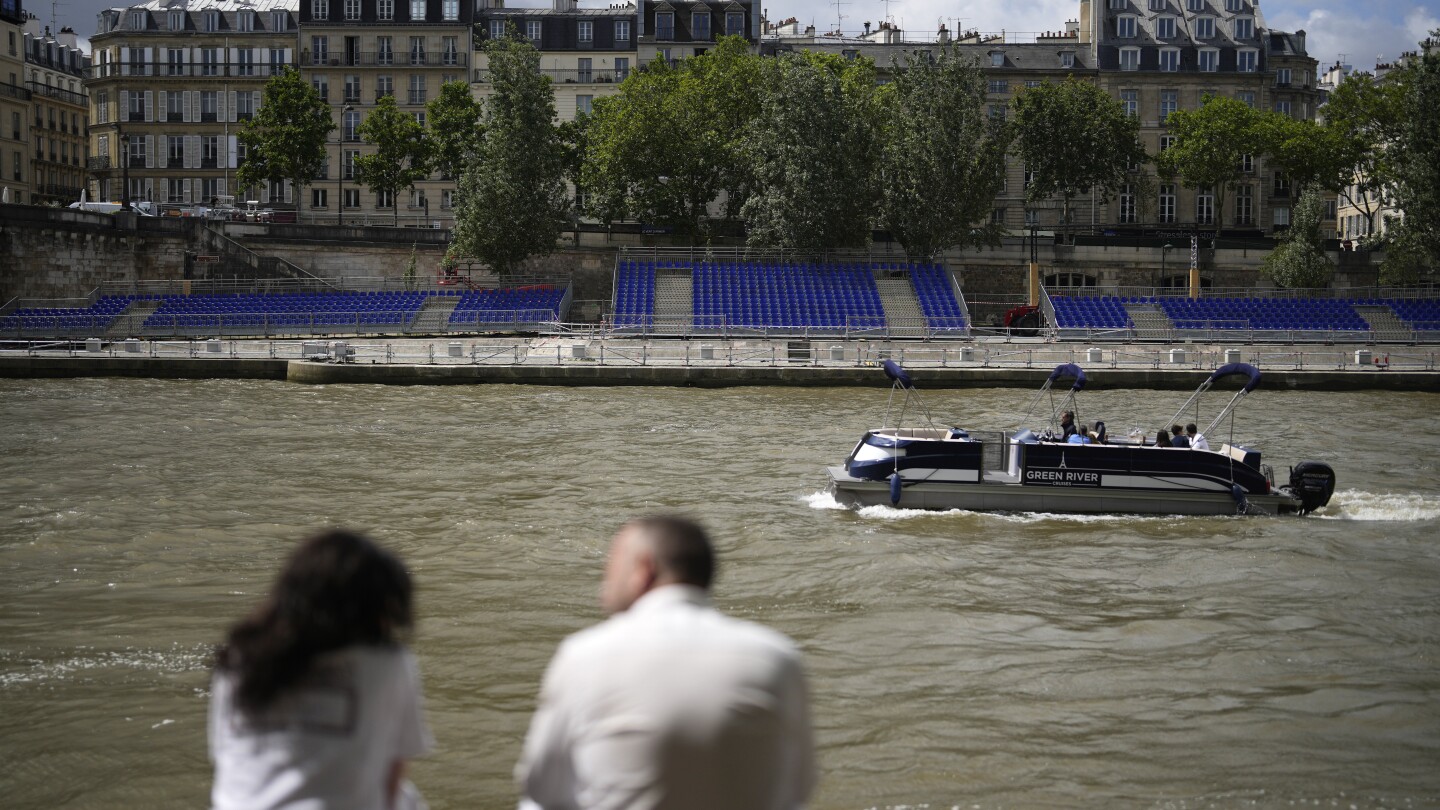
pixel 839 17
pixel 54 14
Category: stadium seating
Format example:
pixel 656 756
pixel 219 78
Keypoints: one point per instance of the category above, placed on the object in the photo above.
pixel 530 304
pixel 787 295
pixel 1420 314
pixel 295 311
pixel 1290 314
pixel 937 297
pixel 93 319
pixel 635 293
pixel 1090 312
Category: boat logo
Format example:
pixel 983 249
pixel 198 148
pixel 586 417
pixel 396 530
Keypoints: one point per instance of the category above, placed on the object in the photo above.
pixel 1062 460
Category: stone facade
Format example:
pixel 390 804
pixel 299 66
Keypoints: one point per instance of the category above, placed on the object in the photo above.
pixel 15 174
pixel 55 72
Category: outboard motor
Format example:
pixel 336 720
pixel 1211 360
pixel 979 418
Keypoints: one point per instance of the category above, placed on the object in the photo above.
pixel 1313 482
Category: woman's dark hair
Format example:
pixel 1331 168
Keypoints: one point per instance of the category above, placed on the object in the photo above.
pixel 337 589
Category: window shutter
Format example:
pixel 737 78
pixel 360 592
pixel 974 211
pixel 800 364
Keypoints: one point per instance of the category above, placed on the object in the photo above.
pixel 149 105
pixel 220 112
pixel 220 184
pixel 187 187
pixel 192 151
pixel 162 98
pixel 230 154
pixel 149 151
pixel 162 160
pixel 234 108
pixel 124 105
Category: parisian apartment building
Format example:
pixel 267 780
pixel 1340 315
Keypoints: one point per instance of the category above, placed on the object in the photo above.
pixel 15 104
pixel 55 72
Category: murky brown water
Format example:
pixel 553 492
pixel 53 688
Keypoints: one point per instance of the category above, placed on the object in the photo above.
pixel 957 660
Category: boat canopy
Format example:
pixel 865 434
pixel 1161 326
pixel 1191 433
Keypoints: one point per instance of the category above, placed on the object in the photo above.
pixel 1068 370
pixel 897 374
pixel 1230 369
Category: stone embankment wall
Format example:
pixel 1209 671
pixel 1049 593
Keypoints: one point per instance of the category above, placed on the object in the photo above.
pixel 57 253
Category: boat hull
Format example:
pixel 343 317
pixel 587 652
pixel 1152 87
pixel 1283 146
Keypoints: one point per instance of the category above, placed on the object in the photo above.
pixel 1010 496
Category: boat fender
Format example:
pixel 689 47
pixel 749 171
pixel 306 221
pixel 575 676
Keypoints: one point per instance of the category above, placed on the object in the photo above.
pixel 895 485
pixel 1238 493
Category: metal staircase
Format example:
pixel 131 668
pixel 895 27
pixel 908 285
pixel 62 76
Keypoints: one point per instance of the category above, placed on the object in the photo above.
pixel 132 320
pixel 434 316
pixel 1151 322
pixel 902 307
pixel 1385 323
pixel 674 301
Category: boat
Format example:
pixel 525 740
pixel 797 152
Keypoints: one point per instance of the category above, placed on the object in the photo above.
pixel 1024 469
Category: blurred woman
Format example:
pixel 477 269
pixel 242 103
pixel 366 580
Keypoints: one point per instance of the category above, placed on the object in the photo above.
pixel 315 702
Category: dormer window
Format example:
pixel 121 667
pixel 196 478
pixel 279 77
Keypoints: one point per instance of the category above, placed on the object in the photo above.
pixel 1129 58
pixel 735 23
pixel 1244 27
pixel 175 20
pixel 245 20
pixel 1234 5
pixel 1170 59
pixel 279 21
pixel 997 59
pixel 1125 26
pixel 1165 28
pixel 1204 27
pixel 137 20
pixel 1067 59
pixel 700 25
pixel 1195 5
pixel 1157 5
pixel 212 21
pixel 1117 5
pixel 417 10
pixel 319 9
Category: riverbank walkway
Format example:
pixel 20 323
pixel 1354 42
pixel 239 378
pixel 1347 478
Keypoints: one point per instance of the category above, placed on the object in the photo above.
pixel 552 360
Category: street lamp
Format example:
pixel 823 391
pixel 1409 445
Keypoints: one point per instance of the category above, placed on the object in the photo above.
pixel 125 170
pixel 340 170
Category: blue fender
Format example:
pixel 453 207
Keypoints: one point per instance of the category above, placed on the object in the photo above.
pixel 896 482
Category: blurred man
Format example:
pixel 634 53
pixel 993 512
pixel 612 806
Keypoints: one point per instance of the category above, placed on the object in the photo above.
pixel 668 704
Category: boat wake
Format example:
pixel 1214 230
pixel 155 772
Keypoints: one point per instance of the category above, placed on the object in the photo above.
pixel 824 500
pixel 1352 504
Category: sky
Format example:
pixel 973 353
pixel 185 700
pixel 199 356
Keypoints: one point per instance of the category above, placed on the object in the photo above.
pixel 1358 30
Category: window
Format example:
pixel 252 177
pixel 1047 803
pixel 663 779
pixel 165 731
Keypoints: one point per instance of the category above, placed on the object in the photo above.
pixel 1169 59
pixel 352 88
pixel 212 21
pixel 417 50
pixel 244 105
pixel 1031 83
pixel 137 22
pixel 417 88
pixel 211 188
pixel 277 61
pixel 1234 5
pixel 279 21
pixel 1166 141
pixel 1029 176
pixel 1125 26
pixel 1281 217
pixel 1069 280
pixel 385 9
pixel 449 51
pixel 622 68
pixel 139 145
pixel 1130 100
pixel 1247 163
pixel 735 23
pixel 1247 97
pixel 583 72
pixel 175 150
pixel 175 190
pixel 209 105
pixel 1165 28
pixel 417 10
pixel 245 62
pixel 384 86
pixel 321 83
pixel 137 106
pixel 1129 58
pixel 319 9
pixel 210 152
pixel 174 62
pixel 1067 59
pixel 1282 77
pixel 497 29
pixel 318 198
pixel 350 124
pixel 1167 202
pixel 447 199
pixel 1282 107
pixel 997 216
pixel 1204 27
pixel 533 30
pixel 1127 204
pixel 450 10
pixel 1209 61
pixel 384 199
pixel 1245 61
pixel 664 25
pixel 175 20
pixel 1169 103
pixel 586 32
pixel 1032 217
pixel 700 25
pixel 584 105
pixel 209 61
pixel 1244 27
pixel 1195 5
pixel 319 50
pixel 246 20
pixel 419 117
pixel 1117 4
pixel 352 10
pixel 384 51
pixel 102 112
pixel 352 198
pixel 175 107
pixel 1205 207
pixel 997 112
pixel 622 30
pixel 1157 5
pixel 1282 185
pixel 998 86
pixel 347 167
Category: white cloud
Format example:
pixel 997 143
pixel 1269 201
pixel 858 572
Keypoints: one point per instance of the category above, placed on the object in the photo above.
pixel 922 18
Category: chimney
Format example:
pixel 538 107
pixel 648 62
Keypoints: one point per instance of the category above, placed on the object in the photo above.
pixel 1300 40
pixel 67 37
pixel 867 28
pixel 1072 28
pixel 944 36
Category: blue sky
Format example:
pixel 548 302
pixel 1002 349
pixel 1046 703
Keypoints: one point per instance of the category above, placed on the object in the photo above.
pixel 1359 29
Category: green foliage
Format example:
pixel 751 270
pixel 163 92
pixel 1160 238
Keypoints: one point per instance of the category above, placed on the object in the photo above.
pixel 410 270
pixel 286 138
pixel 1417 155
pixel 1073 136
pixel 1209 144
pixel 401 152
pixel 1300 260
pixel 512 201
pixel 810 148
pixel 665 148
pixel 942 158
pixel 1308 153
pixel 1365 118
pixel 454 128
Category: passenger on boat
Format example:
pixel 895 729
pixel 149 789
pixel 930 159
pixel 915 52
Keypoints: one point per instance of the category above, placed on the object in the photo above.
pixel 1100 437
pixel 1067 425
pixel 1162 438
pixel 1081 436
pixel 1178 437
pixel 1197 439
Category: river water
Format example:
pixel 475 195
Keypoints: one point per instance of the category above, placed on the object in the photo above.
pixel 957 659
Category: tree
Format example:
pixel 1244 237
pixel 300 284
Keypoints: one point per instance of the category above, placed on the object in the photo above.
pixel 401 153
pixel 1306 152
pixel 1073 137
pixel 942 159
pixel 286 138
pixel 1365 117
pixel 1209 145
pixel 665 148
pixel 454 128
pixel 511 202
pixel 1300 260
pixel 810 147
pixel 1417 153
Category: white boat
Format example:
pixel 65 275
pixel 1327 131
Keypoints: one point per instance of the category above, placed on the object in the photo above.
pixel 1022 470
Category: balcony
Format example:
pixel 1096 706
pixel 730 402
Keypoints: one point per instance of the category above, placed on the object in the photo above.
pixel 98 163
pixel 578 76
pixel 392 58
pixel 57 93
pixel 166 71
pixel 14 91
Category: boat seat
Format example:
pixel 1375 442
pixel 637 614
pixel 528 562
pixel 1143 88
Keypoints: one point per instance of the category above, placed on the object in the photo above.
pixel 1245 455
